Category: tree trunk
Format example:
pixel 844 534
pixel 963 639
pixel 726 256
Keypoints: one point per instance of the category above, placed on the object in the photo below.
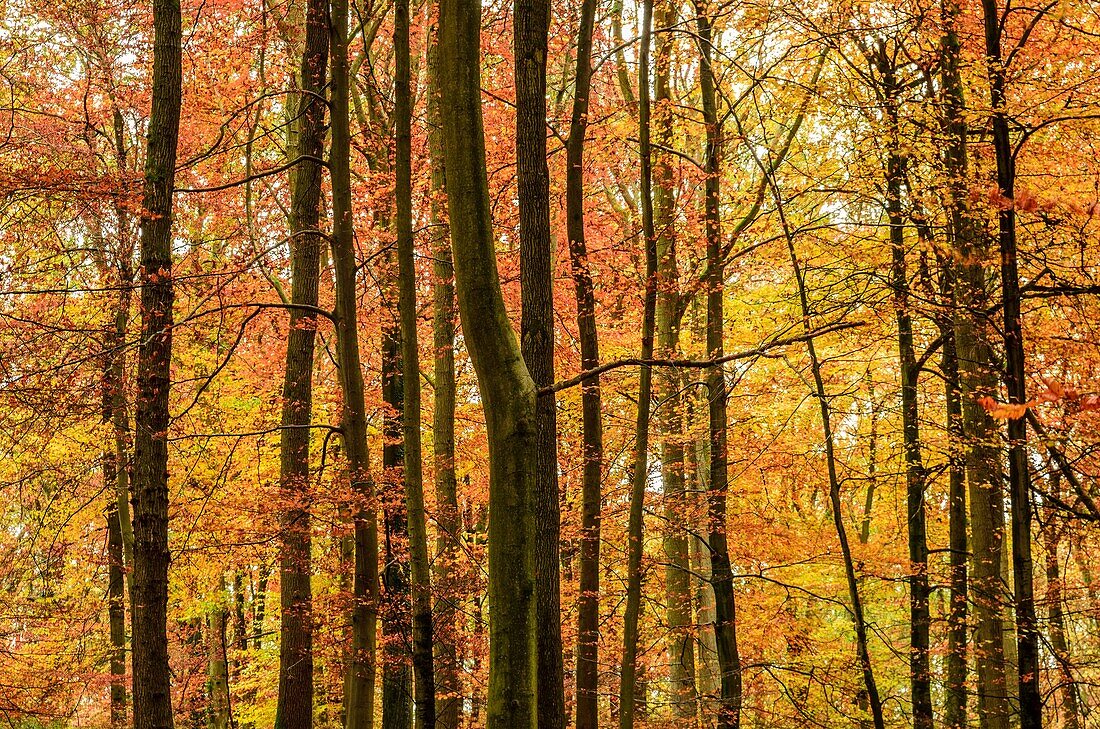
pixel 628 695
pixel 448 540
pixel 217 676
pixel 725 613
pixel 920 678
pixel 149 597
pixel 116 603
pixel 532 21
pixel 1059 644
pixel 397 681
pixel 588 601
pixel 507 391
pixel 977 379
pixel 957 629
pixel 859 623
pixel 359 683
pixel 294 709
pixel 423 668
pixel 678 593
pixel 1019 476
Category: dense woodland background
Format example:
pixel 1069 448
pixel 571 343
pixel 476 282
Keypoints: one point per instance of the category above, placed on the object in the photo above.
pixel 781 412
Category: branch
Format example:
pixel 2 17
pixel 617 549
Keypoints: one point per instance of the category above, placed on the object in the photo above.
pixel 694 363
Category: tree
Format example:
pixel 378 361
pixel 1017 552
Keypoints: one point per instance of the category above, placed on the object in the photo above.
pixel 507 390
pixel 149 598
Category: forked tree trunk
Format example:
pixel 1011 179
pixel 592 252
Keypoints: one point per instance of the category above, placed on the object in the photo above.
pixel 507 391
pixel 977 379
pixel 149 597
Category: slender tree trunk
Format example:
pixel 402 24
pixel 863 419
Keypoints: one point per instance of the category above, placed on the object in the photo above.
pixel 1019 476
pixel 507 391
pixel 259 598
pixel 448 540
pixel 359 683
pixel 149 597
pixel 629 700
pixel 294 708
pixel 588 601
pixel 1059 644
pixel 397 680
pixel 955 700
pixel 920 678
pixel 423 668
pixel 116 602
pixel 532 21
pixel 858 620
pixel 977 379
pixel 725 620
pixel 678 593
pixel 217 676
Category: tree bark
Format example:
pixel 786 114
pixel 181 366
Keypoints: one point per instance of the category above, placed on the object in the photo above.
pixel 423 668
pixel 531 26
pixel 217 676
pixel 294 708
pixel 678 592
pixel 448 540
pixel 976 379
pixel 149 597
pixel 920 678
pixel 1059 643
pixel 360 678
pixel 397 680
pixel 1019 476
pixel 628 674
pixel 725 612
pixel 507 390
pixel 588 600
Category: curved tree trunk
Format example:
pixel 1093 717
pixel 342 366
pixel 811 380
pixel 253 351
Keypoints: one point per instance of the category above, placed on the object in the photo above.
pixel 507 390
pixel 448 542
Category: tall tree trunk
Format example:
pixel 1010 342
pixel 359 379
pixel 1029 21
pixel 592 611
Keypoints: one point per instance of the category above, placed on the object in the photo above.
pixel 423 668
pixel 920 678
pixel 725 614
pixel 359 683
pixel 149 597
pixel 532 21
pixel 508 393
pixel 448 540
pixel 397 681
pixel 1019 476
pixel 294 708
pixel 259 599
pixel 977 379
pixel 588 601
pixel 629 700
pixel 678 593
pixel 955 700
